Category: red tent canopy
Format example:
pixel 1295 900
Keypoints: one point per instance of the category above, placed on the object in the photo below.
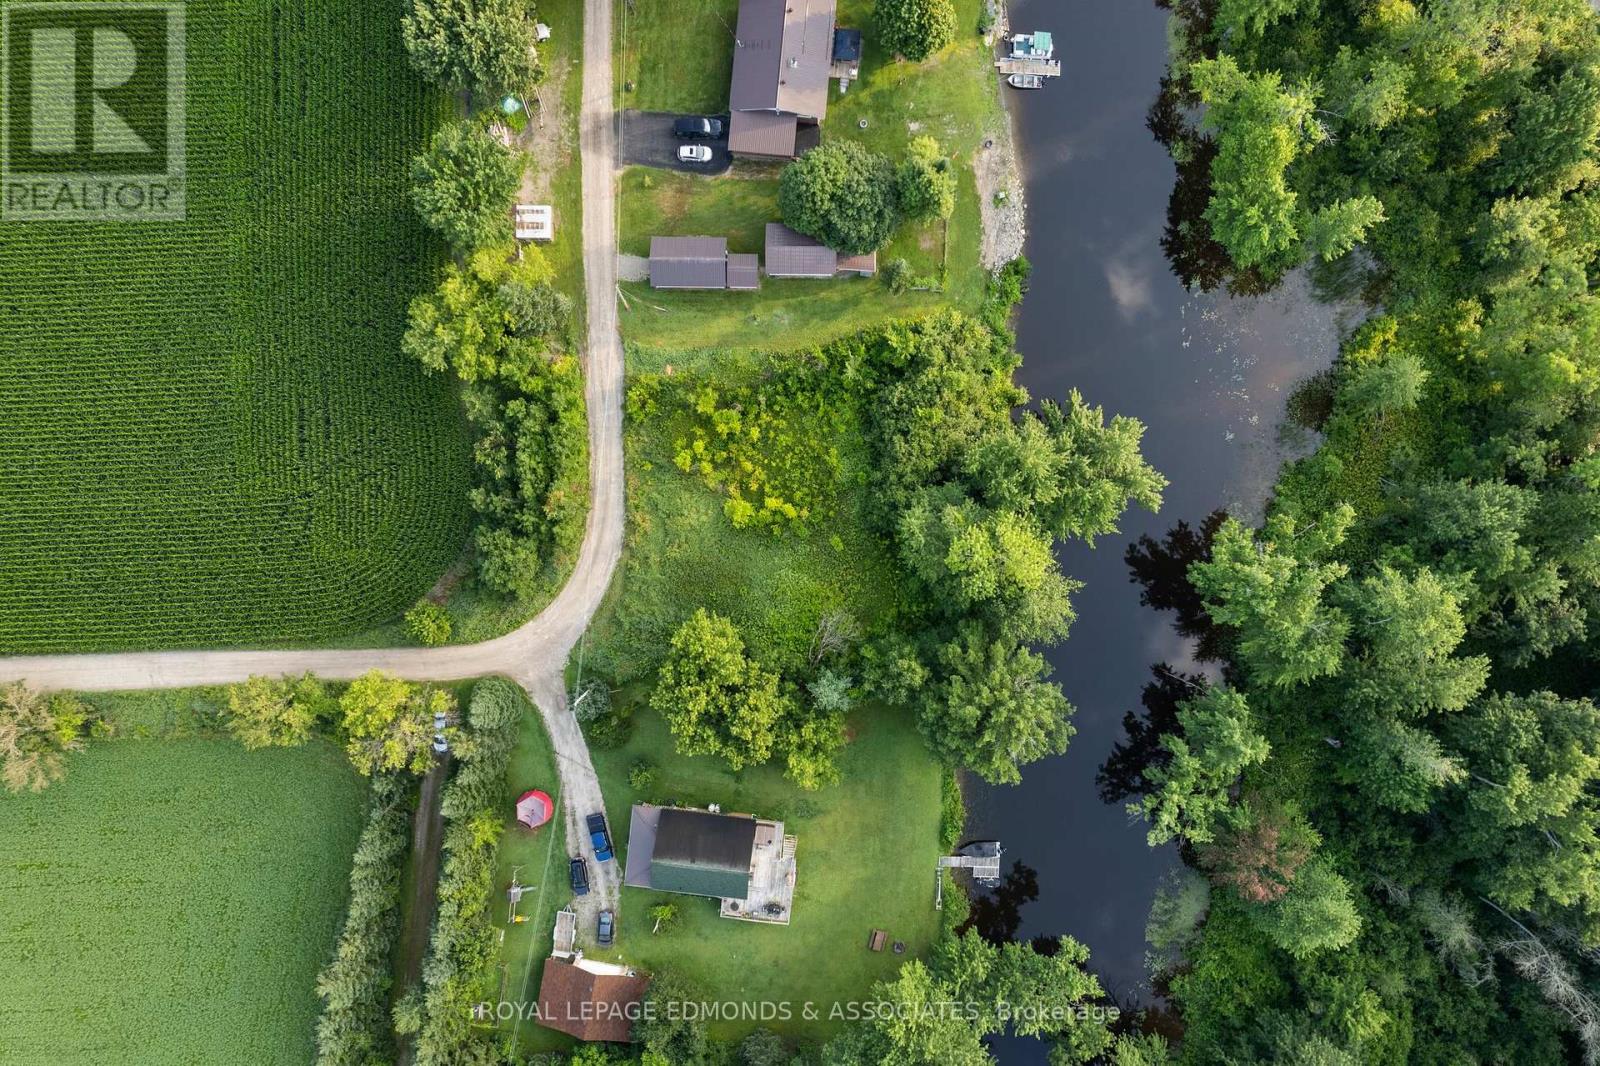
pixel 534 808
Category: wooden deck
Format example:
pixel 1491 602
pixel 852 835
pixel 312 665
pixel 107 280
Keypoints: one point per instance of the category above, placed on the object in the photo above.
pixel 982 866
pixel 1045 68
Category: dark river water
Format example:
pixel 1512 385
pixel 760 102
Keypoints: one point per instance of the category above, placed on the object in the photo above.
pixel 1208 376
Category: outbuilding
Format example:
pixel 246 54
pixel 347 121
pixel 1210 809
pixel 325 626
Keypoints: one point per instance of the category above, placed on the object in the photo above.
pixel 688 262
pixel 591 1001
pixel 794 255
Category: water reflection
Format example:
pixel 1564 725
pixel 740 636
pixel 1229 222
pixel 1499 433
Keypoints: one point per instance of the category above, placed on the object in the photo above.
pixel 1208 374
pixel 997 912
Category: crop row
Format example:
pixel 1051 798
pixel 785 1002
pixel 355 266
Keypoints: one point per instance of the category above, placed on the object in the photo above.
pixel 208 434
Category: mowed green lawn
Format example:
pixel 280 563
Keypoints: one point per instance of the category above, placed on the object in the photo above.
pixel 537 858
pixel 866 854
pixel 208 431
pixel 170 904
pixel 677 54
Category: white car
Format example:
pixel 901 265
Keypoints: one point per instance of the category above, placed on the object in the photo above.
pixel 694 153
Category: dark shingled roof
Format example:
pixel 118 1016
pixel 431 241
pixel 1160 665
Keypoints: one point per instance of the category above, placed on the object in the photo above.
pixel 782 52
pixel 794 255
pixel 762 133
pixel 744 270
pixel 688 262
pixel 589 1006
pixel 703 854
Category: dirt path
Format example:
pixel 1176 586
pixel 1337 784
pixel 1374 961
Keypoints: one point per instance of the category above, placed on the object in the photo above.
pixel 535 654
pixel 427 839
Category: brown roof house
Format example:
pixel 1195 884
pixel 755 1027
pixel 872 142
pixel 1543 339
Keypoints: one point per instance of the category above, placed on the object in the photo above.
pixel 590 1000
pixel 794 255
pixel 782 56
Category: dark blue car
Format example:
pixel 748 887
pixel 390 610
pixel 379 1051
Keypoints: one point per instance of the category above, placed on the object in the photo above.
pixel 600 837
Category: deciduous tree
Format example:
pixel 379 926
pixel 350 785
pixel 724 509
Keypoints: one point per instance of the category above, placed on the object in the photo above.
pixel 278 712
pixel 464 185
pixel 715 698
pixel 1219 741
pixel 992 709
pixel 483 46
pixel 388 723
pixel 843 195
pixel 915 28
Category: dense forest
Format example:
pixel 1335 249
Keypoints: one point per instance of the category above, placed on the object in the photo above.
pixel 1387 793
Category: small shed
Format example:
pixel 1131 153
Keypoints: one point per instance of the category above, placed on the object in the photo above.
pixel 541 32
pixel 688 262
pixel 535 222
pixel 846 56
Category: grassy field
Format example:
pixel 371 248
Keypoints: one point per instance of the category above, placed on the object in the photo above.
pixel 170 904
pixel 211 435
pixel 952 97
pixel 865 858
pixel 654 40
pixel 683 553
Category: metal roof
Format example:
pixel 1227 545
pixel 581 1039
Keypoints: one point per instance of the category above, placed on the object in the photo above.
pixel 794 255
pixel 641 843
pixel 782 52
pixel 700 838
pixel 744 270
pixel 762 133
pixel 688 262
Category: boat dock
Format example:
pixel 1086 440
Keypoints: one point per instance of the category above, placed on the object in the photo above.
pixel 1045 68
pixel 980 858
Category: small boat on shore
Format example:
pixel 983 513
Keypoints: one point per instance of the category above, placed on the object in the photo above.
pixel 1025 81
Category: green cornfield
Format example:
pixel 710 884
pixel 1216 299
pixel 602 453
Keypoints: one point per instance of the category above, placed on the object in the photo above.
pixel 208 433
pixel 171 902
